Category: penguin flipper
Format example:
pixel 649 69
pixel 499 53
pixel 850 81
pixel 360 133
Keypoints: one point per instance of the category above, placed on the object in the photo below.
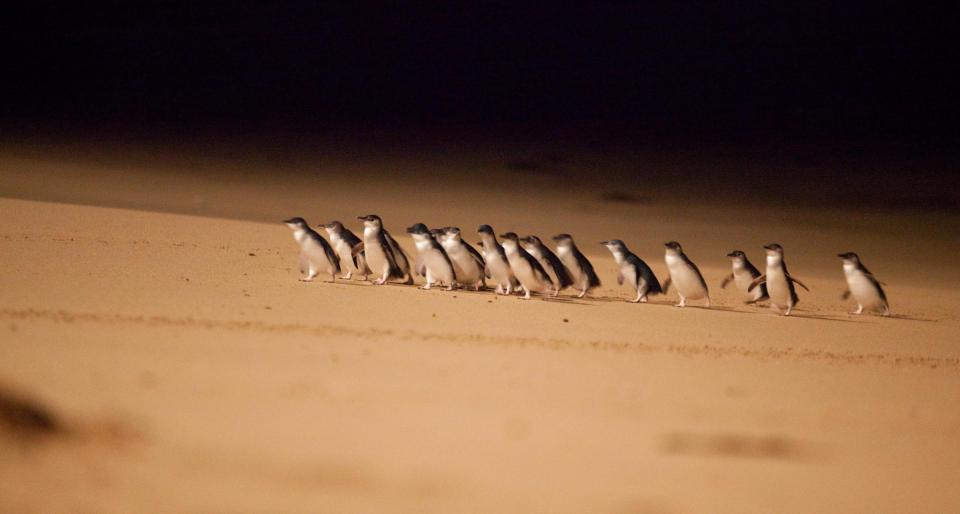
pixel 798 282
pixel 357 249
pixel 592 279
pixel 845 295
pixel 756 282
pixel 665 285
pixel 563 276
pixel 476 255
pixel 331 255
pixel 395 271
pixel 399 256
pixel 620 278
pixel 726 280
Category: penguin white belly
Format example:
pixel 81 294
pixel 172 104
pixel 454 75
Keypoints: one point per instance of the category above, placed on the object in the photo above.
pixel 345 253
pixel 863 290
pixel 438 266
pixel 743 279
pixel 526 277
pixel 499 269
pixel 524 273
pixel 685 279
pixel 573 268
pixel 376 258
pixel 468 272
pixel 777 287
pixel 629 273
pixel 317 256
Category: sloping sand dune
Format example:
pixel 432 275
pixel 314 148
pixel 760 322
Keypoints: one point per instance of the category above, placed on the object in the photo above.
pixel 191 371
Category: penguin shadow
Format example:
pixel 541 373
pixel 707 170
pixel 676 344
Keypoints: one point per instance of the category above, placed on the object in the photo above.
pixel 904 317
pixel 797 313
pixel 568 300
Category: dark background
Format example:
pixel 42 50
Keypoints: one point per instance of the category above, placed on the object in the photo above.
pixel 868 86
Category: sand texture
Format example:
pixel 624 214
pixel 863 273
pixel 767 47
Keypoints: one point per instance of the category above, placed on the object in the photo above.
pixel 159 354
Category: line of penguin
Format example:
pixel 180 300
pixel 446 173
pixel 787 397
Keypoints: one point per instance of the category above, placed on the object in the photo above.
pixel 526 264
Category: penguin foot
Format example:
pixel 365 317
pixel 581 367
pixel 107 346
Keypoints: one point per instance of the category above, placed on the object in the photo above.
pixel 307 279
pixel 582 294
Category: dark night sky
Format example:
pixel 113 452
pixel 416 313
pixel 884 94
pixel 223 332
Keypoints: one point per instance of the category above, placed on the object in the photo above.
pixel 730 69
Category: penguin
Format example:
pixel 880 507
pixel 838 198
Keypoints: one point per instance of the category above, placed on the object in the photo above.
pixel 779 282
pixel 526 268
pixel 467 261
pixel 744 272
pixel 496 259
pixel 558 274
pixel 576 264
pixel 316 254
pixel 433 262
pixel 685 276
pixel 633 271
pixel 864 287
pixel 384 256
pixel 344 241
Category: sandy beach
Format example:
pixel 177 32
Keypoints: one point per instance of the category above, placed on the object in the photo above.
pixel 152 307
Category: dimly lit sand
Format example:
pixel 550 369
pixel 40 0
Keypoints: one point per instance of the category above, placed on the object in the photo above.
pixel 189 370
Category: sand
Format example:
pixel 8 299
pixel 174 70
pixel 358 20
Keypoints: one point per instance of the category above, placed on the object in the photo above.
pixel 155 312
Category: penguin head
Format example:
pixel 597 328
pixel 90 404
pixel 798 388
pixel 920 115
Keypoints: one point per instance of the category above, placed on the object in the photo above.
pixel 849 257
pixel 510 239
pixel 774 253
pixel 673 247
pixel 533 241
pixel 296 223
pixel 773 248
pixel 437 234
pixel 419 229
pixel 614 245
pixel 334 227
pixel 737 256
pixel 563 239
pixel 486 233
pixel 371 221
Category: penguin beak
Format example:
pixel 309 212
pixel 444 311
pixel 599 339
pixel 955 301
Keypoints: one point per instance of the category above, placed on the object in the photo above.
pixel 731 254
pixel 604 243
